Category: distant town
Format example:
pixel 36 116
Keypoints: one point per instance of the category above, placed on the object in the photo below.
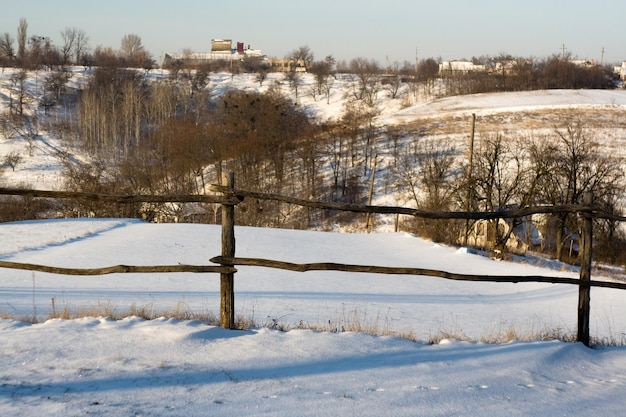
pixel 226 50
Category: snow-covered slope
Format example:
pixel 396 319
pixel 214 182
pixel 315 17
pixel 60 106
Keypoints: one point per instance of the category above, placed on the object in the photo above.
pixel 181 368
pixel 484 104
pixel 167 367
pixel 417 305
pixel 41 166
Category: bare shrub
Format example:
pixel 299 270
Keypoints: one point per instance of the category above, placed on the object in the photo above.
pixel 18 208
pixel 13 159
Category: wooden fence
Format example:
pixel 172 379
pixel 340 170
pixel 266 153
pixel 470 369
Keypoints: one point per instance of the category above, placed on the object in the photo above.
pixel 228 197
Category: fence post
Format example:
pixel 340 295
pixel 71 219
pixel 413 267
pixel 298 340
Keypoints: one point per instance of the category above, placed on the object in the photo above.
pixel 470 185
pixel 227 281
pixel 584 288
pixel 368 216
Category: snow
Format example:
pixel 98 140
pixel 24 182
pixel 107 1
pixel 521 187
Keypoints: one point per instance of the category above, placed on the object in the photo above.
pixel 490 103
pixel 167 367
pixel 171 368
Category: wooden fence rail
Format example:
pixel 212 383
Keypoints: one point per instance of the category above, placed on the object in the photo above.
pixel 118 269
pixel 229 197
pixel 123 199
pixel 596 212
pixel 390 270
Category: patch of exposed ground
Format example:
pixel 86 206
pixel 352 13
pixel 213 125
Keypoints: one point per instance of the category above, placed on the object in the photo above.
pixel 606 119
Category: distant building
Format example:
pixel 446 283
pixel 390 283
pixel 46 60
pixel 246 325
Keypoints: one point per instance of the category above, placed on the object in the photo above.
pixel 286 65
pixel 620 71
pixel 583 63
pixel 459 67
pixel 222 46
pixel 221 49
pixel 511 66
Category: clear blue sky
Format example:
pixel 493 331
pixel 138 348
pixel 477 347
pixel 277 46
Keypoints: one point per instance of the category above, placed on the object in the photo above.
pixel 389 29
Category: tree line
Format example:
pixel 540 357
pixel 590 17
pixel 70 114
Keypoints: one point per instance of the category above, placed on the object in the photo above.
pixel 503 72
pixel 517 170
pixel 35 51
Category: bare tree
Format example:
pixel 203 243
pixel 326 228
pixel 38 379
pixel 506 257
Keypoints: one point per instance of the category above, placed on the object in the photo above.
pixel 295 80
pixel 22 30
pixel 328 86
pixel 392 79
pixel 427 173
pixel 74 44
pixel 302 56
pixel 499 176
pixel 56 82
pixel 262 131
pixel 133 51
pixel 131 45
pixel 261 76
pixel 577 164
pixel 69 39
pixel 13 159
pixel 7 51
pixel 19 95
pixel 105 57
pixel 321 70
pixel 80 45
pixel 427 72
pixel 324 75
pixel 43 52
pixel 392 84
pixel 367 74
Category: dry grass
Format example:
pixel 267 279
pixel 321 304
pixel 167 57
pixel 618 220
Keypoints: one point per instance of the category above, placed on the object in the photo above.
pixel 180 311
pixel 456 123
pixel 348 320
pixel 508 334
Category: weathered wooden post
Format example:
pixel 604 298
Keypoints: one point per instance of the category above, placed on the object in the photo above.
pixel 470 185
pixel 584 288
pixel 227 281
pixel 368 216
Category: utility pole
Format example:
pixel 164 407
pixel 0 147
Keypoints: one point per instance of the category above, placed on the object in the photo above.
pixel 416 61
pixel 563 52
pixel 470 181
pixel 602 57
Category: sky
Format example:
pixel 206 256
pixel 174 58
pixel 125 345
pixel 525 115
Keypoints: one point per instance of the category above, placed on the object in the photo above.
pixel 387 31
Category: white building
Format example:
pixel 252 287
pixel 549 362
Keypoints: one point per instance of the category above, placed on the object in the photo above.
pixel 621 71
pixel 221 49
pixel 459 67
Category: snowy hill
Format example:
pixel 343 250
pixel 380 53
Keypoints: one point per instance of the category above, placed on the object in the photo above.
pixel 41 165
pixel 167 367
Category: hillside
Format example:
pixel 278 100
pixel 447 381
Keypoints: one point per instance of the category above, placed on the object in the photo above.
pixel 97 365
pixel 448 117
pixel 172 367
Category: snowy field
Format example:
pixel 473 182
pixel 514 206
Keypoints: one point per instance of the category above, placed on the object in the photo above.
pixel 166 367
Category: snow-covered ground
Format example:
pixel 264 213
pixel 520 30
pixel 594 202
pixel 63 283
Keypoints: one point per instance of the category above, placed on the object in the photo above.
pixel 166 367
pixel 96 366
pixel 491 103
